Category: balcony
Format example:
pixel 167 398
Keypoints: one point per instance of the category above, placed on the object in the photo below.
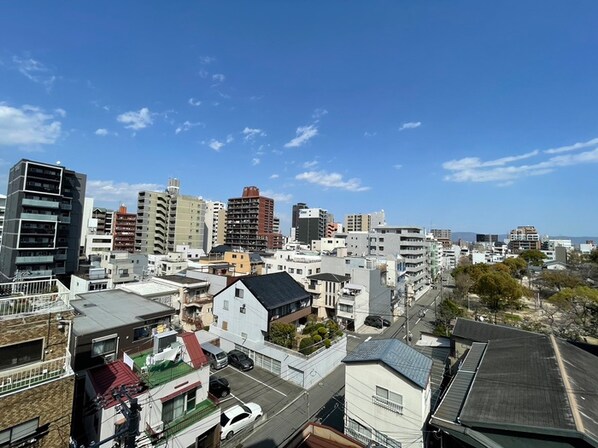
pixel 35 259
pixel 205 410
pixel 39 217
pixel 161 373
pixel 64 219
pixel 35 296
pixel 345 314
pixel 13 380
pixel 40 203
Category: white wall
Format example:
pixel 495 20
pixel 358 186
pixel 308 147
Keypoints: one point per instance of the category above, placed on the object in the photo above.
pixel 360 386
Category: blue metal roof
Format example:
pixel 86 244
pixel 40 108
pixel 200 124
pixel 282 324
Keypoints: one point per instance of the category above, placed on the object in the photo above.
pixel 396 355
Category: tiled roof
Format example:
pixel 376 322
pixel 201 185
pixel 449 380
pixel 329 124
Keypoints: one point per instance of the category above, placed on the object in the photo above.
pixel 109 377
pixel 274 290
pixel 397 355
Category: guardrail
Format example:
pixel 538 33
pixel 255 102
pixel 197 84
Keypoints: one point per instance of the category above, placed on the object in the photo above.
pixel 34 375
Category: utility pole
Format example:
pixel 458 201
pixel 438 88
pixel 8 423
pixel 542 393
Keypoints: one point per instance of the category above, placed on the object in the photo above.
pixel 409 289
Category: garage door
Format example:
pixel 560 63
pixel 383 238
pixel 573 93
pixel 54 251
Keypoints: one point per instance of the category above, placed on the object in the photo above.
pixel 262 361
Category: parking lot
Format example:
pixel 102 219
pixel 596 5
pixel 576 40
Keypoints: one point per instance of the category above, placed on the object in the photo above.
pixel 258 386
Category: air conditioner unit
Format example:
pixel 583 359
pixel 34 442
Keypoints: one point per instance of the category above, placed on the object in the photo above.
pixel 157 428
pixel 110 358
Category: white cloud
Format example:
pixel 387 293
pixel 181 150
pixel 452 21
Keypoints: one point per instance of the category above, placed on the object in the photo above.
pixel 331 180
pixel 304 134
pixel 410 125
pixel 27 126
pixel 229 138
pixel 117 192
pixel 216 145
pixel 136 120
pixel 575 146
pixel 255 161
pixel 101 132
pixel 369 134
pixel 278 197
pixel 310 164
pixel 194 102
pixel 187 125
pixel 218 77
pixel 318 113
pixel 398 166
pixel 472 169
pixel 274 176
pixel 205 60
pixel 251 133
pixel 60 112
pixel 34 71
pixel 203 73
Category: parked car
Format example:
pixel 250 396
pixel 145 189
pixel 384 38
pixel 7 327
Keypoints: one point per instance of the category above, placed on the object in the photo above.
pixel 377 321
pixel 238 417
pixel 240 360
pixel 219 387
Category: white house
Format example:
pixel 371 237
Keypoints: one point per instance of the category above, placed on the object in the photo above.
pixel 387 393
pixel 246 309
pixel 299 264
pixel 172 389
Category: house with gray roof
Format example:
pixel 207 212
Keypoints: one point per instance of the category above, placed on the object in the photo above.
pixel 243 315
pixel 531 391
pixel 387 393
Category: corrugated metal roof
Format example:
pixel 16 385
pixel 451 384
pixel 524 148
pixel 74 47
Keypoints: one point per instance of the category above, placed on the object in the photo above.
pixel 484 332
pixel 397 355
pixel 198 358
pixel 109 377
pixel 472 360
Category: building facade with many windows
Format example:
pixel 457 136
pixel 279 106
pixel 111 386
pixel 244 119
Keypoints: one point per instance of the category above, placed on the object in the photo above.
pixel 43 219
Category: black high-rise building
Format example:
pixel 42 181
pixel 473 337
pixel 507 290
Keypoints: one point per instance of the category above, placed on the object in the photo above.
pixel 43 221
pixel 295 215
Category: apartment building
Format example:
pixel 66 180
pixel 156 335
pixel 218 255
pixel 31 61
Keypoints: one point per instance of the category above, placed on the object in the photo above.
pixel 250 222
pixel 167 219
pixel 444 236
pixel 298 264
pixel 43 218
pixel 524 238
pixel 215 225
pixel 104 220
pixel 311 225
pixel 36 378
pixel 124 230
pixel 410 243
pixel 2 212
pixel 364 222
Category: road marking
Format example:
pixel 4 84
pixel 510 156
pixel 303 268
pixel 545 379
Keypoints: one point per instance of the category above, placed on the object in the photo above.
pixel 352 336
pixel 262 383
pixel 368 338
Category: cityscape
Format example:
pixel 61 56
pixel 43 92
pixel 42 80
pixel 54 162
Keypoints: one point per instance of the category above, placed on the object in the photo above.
pixel 282 224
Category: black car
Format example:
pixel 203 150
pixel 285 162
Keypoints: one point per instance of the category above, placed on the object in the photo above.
pixel 240 360
pixel 377 321
pixel 219 387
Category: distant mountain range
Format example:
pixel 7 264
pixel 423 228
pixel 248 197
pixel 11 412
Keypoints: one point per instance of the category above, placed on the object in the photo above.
pixel 470 236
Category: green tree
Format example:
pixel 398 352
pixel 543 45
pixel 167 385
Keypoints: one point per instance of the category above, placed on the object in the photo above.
pixel 557 280
pixel 282 334
pixel 594 256
pixel 498 291
pixel 447 311
pixel 517 266
pixel 579 308
pixel 533 256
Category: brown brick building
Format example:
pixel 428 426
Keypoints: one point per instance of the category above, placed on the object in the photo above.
pixel 36 379
pixel 124 230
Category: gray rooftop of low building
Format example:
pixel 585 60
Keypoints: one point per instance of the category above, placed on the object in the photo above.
pixel 484 332
pixel 410 363
pixel 181 280
pixel 327 277
pixel 113 308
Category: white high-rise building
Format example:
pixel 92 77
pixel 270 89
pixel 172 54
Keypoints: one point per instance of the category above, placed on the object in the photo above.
pixel 215 224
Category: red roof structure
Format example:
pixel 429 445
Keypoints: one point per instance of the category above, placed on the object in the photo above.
pixel 198 358
pixel 110 377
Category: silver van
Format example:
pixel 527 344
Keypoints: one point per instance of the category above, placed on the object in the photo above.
pixel 216 356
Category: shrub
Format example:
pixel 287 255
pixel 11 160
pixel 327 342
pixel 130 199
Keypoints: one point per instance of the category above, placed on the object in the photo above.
pixel 322 331
pixel 306 345
pixel 317 338
pixel 327 343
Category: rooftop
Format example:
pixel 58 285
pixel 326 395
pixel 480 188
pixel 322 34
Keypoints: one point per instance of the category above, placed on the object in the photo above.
pixel 397 355
pixel 484 332
pixel 327 277
pixel 113 308
pixel 274 290
pixel 109 377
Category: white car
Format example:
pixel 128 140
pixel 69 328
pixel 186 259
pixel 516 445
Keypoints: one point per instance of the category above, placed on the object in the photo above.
pixel 238 417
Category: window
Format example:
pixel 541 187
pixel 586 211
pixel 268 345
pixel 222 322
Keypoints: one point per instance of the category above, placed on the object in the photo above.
pixel 23 353
pixel 104 346
pixel 291 271
pixel 299 271
pixel 388 399
pixel 18 433
pixel 178 406
pixel 225 305
pixel 238 293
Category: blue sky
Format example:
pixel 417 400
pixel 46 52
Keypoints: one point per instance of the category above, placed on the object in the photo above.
pixel 473 116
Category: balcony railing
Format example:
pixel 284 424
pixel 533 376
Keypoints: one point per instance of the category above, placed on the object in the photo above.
pixel 385 403
pixel 30 297
pixel 40 203
pixel 34 375
pixel 39 217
